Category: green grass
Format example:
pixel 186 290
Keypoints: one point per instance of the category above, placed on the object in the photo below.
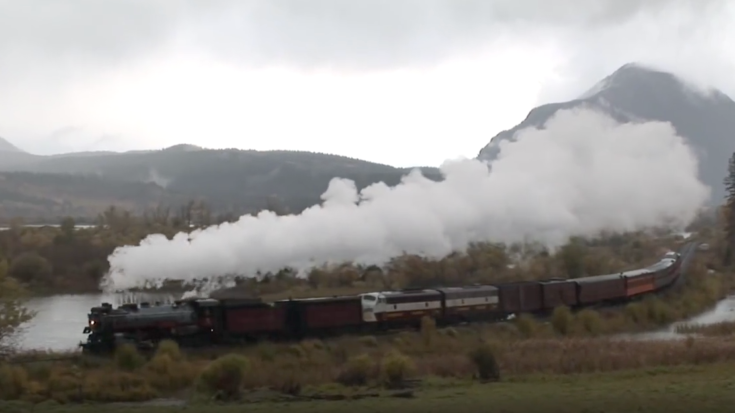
pixel 684 389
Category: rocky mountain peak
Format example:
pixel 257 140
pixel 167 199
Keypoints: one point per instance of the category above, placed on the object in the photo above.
pixel 6 146
pixel 634 93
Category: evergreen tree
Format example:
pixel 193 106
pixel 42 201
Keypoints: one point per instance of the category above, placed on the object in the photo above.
pixel 729 212
pixel 12 311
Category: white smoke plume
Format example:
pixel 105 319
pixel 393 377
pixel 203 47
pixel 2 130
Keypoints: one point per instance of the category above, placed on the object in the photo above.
pixel 582 174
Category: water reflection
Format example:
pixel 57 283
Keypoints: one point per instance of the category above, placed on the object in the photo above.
pixel 60 319
pixel 723 311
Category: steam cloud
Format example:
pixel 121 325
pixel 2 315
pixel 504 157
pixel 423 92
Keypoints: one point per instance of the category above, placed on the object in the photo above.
pixel 582 174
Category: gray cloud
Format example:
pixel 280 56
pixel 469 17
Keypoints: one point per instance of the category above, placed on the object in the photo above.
pixel 48 45
pixel 293 32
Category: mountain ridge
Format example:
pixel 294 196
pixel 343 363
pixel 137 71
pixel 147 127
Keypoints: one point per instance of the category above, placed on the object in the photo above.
pixel 240 181
pixel 635 93
pixel 6 146
pixel 228 180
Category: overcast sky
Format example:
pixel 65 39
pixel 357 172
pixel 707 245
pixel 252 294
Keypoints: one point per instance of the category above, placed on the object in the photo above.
pixel 404 82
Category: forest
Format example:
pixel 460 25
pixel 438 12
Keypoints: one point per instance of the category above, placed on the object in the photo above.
pixel 45 189
pixel 71 259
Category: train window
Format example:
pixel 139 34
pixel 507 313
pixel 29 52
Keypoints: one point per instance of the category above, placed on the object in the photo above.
pixel 368 298
pixel 427 304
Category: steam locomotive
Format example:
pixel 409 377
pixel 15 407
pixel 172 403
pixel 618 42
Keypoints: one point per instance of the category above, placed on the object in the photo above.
pixel 204 322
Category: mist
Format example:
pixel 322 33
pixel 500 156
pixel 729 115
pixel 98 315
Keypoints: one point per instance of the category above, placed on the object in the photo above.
pixel 582 174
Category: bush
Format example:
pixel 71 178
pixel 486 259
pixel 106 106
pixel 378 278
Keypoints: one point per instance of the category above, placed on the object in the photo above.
pixel 562 319
pixel 356 371
pixel 127 357
pixel 295 350
pixel 590 321
pixel 13 382
pixel 121 387
pixel 526 325
pixel 267 352
pixel 659 312
pixel 369 341
pixel 169 348
pixel 394 369
pixel 63 386
pixel 224 377
pixel 167 374
pixel 636 312
pixel 483 357
pixel 428 330
pixel 450 332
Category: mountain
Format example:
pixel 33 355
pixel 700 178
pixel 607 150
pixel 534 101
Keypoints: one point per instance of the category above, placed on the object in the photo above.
pixel 706 119
pixel 46 197
pixel 229 180
pixel 6 146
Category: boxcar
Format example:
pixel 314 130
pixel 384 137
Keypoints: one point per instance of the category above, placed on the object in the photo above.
pixel 520 297
pixel 330 313
pixel 470 303
pixel 591 290
pixel 251 319
pixel 555 293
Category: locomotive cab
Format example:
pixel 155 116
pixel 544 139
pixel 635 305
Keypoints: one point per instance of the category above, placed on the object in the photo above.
pixel 370 303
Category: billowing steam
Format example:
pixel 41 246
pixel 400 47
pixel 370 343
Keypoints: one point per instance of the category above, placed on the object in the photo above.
pixel 582 174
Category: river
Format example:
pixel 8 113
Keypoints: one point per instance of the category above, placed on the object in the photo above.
pixel 723 311
pixel 60 319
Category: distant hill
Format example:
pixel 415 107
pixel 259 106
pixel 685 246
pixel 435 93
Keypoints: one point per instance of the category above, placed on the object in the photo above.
pixel 228 180
pixel 6 146
pixel 44 197
pixel 637 93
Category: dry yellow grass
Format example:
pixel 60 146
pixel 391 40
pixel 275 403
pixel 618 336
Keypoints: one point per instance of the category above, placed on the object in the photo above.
pixel 386 362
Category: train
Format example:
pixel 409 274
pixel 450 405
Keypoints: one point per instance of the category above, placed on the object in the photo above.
pixel 208 322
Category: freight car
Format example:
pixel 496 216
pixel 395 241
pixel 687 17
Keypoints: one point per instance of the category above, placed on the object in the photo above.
pixel 556 293
pixel 209 321
pixel 322 316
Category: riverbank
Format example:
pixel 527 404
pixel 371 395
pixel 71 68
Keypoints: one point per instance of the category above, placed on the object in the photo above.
pixel 680 389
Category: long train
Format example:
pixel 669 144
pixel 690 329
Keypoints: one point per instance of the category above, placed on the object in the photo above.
pixel 203 322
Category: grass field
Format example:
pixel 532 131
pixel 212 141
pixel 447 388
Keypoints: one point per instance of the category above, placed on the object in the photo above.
pixel 682 389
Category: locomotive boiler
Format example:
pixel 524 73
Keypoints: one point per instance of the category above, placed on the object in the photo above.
pixel 188 321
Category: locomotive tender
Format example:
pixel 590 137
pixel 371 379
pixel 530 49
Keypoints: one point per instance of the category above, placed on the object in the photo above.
pixel 202 322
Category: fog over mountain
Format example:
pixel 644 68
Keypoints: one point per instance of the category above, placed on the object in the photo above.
pixel 638 93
